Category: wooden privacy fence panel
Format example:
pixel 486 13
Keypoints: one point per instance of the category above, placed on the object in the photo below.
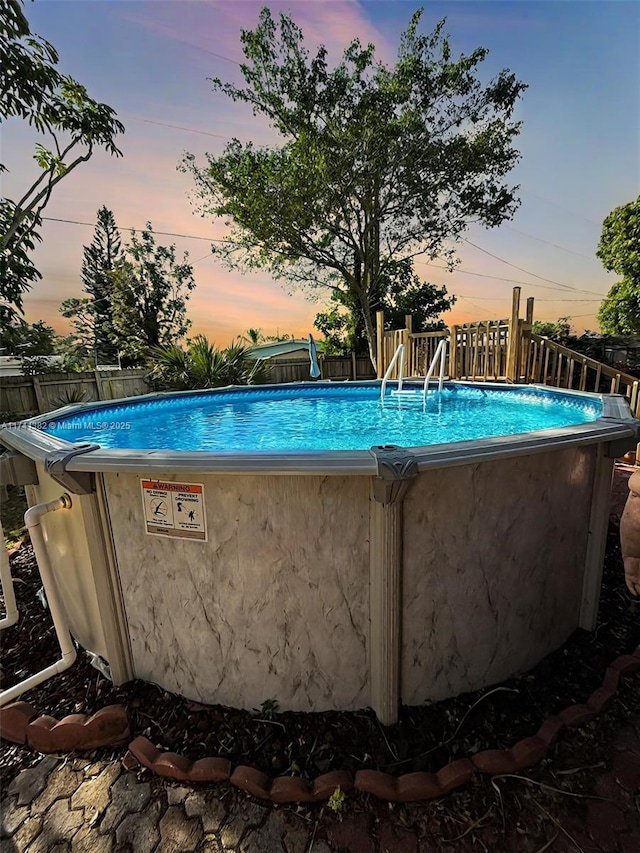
pixel 25 396
pixel 390 344
pixel 331 367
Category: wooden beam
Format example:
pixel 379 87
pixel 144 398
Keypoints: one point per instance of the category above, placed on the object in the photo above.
pixel 380 367
pixel 512 344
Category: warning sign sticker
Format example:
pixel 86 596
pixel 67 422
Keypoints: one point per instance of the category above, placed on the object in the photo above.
pixel 174 509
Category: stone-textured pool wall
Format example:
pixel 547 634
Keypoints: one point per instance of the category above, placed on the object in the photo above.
pixel 494 555
pixel 274 606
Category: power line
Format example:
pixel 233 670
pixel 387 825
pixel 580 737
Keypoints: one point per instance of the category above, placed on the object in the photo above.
pixel 511 280
pixel 139 230
pixel 560 207
pixel 177 127
pixel 558 284
pixel 502 298
pixel 548 242
pixel 478 307
pixel 572 317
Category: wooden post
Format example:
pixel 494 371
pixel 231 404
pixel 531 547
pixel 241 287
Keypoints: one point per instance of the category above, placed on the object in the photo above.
pixel 354 366
pixel 512 344
pixel 99 390
pixel 408 322
pixel 529 318
pixel 41 400
pixel 453 352
pixel 380 366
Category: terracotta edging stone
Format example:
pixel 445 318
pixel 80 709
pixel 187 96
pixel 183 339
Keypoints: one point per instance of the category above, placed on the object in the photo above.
pixel 19 723
pixel 174 766
pixel 410 787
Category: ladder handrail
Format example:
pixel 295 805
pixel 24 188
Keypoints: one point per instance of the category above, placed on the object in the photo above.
pixel 440 353
pixel 399 352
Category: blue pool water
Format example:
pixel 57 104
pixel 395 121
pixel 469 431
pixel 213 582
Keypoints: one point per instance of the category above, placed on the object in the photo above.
pixel 321 417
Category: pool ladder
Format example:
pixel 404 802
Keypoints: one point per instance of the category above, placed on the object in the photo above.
pixel 440 356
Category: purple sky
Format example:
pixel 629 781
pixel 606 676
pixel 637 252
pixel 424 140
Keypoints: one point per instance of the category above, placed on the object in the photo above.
pixel 150 61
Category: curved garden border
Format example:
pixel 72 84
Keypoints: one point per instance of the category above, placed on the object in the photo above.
pixel 20 723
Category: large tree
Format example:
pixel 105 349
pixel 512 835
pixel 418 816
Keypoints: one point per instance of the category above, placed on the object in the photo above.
pixel 377 164
pixel 149 293
pixel 71 123
pixel 619 251
pixel 91 316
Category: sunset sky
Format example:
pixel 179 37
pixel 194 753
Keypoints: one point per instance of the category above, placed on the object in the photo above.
pixel 150 61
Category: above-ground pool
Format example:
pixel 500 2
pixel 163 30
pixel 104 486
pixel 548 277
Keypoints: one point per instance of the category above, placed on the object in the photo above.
pixel 309 544
pixel 322 417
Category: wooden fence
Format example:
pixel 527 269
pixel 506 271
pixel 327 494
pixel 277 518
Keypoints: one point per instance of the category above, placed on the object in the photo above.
pixel 25 396
pixel 335 368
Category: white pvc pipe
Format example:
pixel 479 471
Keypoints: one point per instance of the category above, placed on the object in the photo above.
pixel 32 519
pixel 11 616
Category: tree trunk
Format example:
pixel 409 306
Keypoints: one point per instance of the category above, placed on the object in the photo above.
pixel 369 328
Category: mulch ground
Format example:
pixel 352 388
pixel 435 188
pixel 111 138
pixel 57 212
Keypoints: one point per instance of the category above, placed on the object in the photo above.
pixel 425 738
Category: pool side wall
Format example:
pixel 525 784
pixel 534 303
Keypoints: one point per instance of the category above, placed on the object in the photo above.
pixel 274 606
pixel 277 603
pixel 494 555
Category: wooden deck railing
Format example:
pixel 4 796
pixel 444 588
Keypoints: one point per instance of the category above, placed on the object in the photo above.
pixel 546 362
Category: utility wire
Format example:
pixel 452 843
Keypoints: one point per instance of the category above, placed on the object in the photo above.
pixel 176 127
pixel 548 242
pixel 560 207
pixel 138 230
pixel 558 284
pixel 512 280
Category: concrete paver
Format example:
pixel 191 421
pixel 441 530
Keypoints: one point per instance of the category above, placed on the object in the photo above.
pixel 178 832
pixel 211 810
pixel 140 832
pixel 30 783
pixel 26 832
pixel 128 796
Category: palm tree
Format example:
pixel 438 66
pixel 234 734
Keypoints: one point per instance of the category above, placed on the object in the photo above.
pixel 203 365
pixel 253 336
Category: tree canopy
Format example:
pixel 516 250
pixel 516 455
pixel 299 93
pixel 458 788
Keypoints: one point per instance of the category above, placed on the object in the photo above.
pixel 27 339
pixel 377 164
pixel 91 316
pixel 149 293
pixel 619 251
pixel 401 292
pixel 72 124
